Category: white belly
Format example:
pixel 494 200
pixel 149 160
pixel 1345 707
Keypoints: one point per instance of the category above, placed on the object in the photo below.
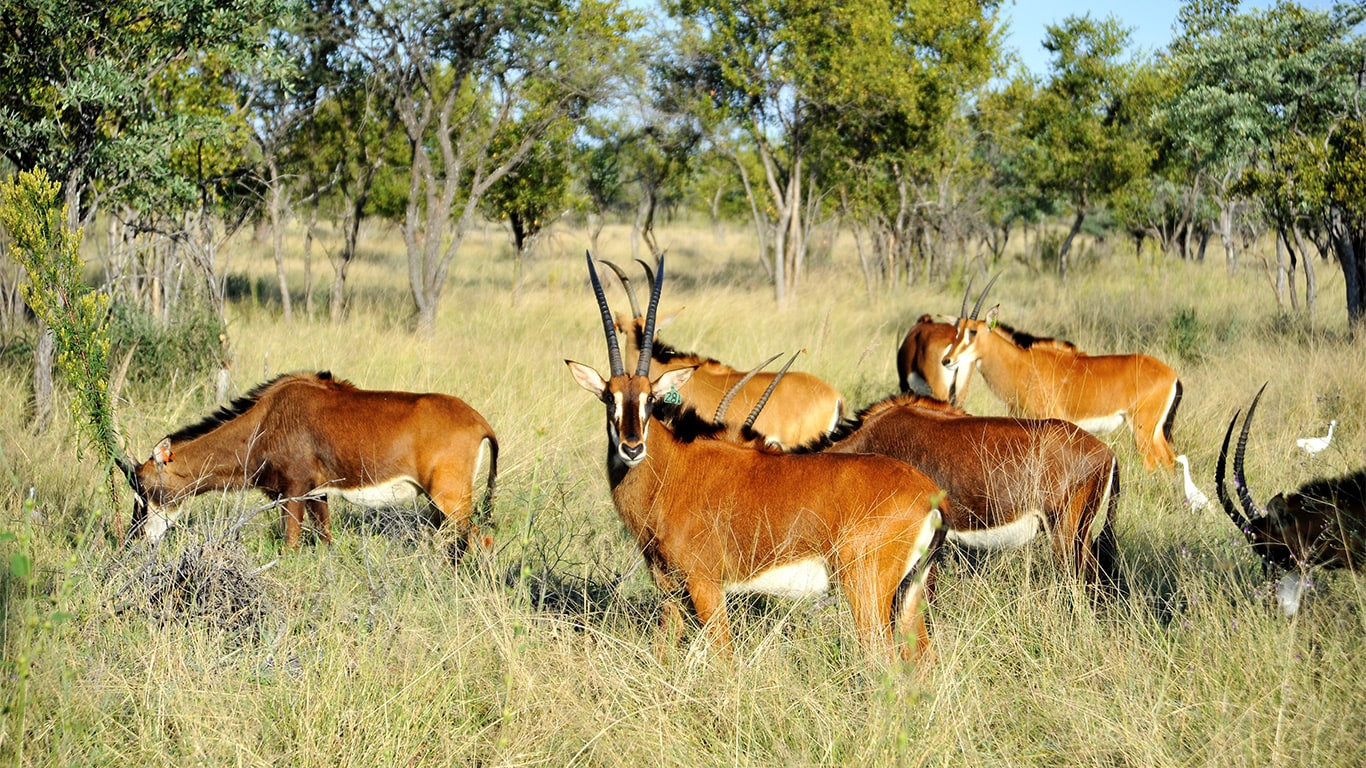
pixel 396 492
pixel 1102 425
pixel 1009 536
pixel 794 581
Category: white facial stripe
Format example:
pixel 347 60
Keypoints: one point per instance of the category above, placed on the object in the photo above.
pixel 157 523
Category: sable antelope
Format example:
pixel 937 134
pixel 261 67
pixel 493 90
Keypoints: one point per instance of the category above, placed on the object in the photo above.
pixel 302 437
pixel 920 361
pixel 1045 378
pixel 1321 525
pixel 803 409
pixel 1006 477
pixel 712 517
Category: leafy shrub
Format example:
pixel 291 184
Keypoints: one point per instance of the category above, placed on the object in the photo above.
pixel 188 344
pixel 1186 335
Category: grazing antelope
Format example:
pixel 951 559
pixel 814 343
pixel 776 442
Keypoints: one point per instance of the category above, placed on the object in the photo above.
pixel 1321 525
pixel 1006 477
pixel 712 517
pixel 920 361
pixel 802 410
pixel 302 437
pixel 1045 378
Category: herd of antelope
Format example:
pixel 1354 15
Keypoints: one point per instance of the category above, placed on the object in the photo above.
pixel 795 497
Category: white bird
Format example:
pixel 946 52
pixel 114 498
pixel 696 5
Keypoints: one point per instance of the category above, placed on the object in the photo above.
pixel 1315 444
pixel 1194 496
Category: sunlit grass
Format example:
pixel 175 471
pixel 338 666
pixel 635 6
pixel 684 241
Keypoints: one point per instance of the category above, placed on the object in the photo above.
pixel 373 652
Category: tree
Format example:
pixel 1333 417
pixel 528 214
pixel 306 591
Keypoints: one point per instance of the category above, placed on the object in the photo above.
pixel 78 93
pixel 891 120
pixel 466 75
pixel 1082 124
pixel 1303 85
pixel 532 195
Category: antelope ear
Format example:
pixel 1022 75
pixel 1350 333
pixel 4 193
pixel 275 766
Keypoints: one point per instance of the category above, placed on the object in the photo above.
pixel 162 453
pixel 671 380
pixel 587 378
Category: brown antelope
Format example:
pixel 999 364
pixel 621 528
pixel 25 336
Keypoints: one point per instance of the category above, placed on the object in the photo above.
pixel 712 517
pixel 802 410
pixel 920 361
pixel 1045 378
pixel 1321 525
pixel 302 437
pixel 1006 477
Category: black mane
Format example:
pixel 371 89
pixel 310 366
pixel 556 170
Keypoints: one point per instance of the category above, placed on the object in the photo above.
pixel 1026 340
pixel 238 407
pixel 851 424
pixel 662 352
pixel 686 423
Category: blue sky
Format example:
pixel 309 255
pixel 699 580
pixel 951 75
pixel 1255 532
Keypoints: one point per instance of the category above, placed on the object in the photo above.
pixel 1150 21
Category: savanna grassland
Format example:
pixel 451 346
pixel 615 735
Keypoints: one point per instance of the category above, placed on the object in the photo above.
pixel 218 648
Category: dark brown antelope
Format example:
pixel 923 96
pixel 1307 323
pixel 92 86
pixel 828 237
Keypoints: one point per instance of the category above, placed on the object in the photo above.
pixel 302 437
pixel 803 409
pixel 920 361
pixel 1046 378
pixel 712 517
pixel 1321 525
pixel 1006 478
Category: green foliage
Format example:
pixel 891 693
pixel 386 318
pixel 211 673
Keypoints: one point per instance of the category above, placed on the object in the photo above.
pixel 123 94
pixel 185 347
pixel 1186 335
pixel 77 316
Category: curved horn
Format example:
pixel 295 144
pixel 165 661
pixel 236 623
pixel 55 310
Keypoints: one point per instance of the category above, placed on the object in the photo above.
pixel 625 283
pixel 763 400
pixel 1254 512
pixel 649 272
pixel 966 293
pixel 982 297
pixel 722 406
pixel 1234 514
pixel 647 340
pixel 608 327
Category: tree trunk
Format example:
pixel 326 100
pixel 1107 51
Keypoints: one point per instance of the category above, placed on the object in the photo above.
pixel 1311 287
pixel 1067 242
pixel 43 354
pixel 277 240
pixel 309 228
pixel 1350 246
pixel 1226 210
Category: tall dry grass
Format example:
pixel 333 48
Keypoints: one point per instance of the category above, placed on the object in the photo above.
pixel 373 652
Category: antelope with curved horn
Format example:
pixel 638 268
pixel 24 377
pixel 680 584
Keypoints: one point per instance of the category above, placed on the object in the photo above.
pixel 1006 478
pixel 711 517
pixel 1321 525
pixel 1045 378
pixel 920 361
pixel 302 437
pixel 803 409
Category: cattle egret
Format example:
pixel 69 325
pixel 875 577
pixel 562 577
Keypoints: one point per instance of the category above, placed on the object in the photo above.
pixel 1313 445
pixel 1194 496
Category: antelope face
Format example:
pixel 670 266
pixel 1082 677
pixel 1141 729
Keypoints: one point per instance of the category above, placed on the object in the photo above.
pixel 153 503
pixel 629 401
pixel 963 350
